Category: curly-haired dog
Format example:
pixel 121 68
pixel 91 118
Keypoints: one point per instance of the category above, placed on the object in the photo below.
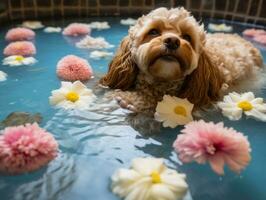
pixel 168 52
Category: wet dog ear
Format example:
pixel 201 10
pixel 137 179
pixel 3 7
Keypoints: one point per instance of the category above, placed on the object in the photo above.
pixel 204 84
pixel 122 69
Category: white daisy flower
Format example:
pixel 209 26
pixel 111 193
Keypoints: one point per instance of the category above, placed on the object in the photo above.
pixel 19 60
pixel 149 179
pixel 51 29
pixel 173 111
pixel 99 25
pixel 72 96
pixel 128 21
pixel 32 24
pixel 94 43
pixel 3 76
pixel 234 105
pixel 220 27
pixel 100 54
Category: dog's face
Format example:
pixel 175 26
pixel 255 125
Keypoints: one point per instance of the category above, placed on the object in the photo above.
pixel 166 45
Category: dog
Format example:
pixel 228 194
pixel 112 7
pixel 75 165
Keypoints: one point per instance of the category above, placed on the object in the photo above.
pixel 168 52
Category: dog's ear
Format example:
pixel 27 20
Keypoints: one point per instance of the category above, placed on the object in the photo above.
pixel 122 69
pixel 204 84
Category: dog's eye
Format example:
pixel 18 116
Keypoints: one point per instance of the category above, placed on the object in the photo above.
pixel 186 37
pixel 154 32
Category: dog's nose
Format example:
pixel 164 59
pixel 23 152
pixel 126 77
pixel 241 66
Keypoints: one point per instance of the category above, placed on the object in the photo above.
pixel 171 43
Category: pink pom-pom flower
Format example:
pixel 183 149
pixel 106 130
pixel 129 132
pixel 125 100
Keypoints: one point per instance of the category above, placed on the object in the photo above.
pixel 202 141
pixel 73 68
pixel 16 34
pixel 21 48
pixel 253 32
pixel 76 29
pixel 260 39
pixel 26 148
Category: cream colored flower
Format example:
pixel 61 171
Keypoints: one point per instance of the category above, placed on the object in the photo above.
pixel 94 43
pixel 100 54
pixel 173 111
pixel 149 179
pixel 234 105
pixel 51 29
pixel 128 21
pixel 32 24
pixel 19 60
pixel 99 25
pixel 72 96
pixel 3 76
pixel 219 27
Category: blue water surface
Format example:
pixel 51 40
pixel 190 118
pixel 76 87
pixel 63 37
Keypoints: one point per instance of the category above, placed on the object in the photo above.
pixel 93 144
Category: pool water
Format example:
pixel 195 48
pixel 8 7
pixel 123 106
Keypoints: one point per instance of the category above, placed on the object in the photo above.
pixel 93 144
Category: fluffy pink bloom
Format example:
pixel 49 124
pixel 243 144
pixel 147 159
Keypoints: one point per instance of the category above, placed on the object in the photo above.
pixel 26 148
pixel 76 29
pixel 22 48
pixel 260 39
pixel 73 68
pixel 253 32
pixel 16 34
pixel 214 143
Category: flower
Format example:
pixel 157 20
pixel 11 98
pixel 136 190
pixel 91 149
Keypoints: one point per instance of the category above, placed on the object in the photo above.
pixel 219 27
pixel 100 54
pixel 173 111
pixel 73 68
pixel 260 39
pixel 50 29
pixel 3 76
pixel 15 34
pixel 99 25
pixel 202 141
pixel 22 48
pixel 234 104
pixel 72 96
pixel 33 24
pixel 19 60
pixel 93 43
pixel 128 21
pixel 26 148
pixel 253 32
pixel 76 29
pixel 149 179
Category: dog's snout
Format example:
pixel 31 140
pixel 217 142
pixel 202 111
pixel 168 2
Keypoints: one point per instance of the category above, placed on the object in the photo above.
pixel 171 43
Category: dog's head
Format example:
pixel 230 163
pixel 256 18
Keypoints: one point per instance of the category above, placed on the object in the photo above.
pixel 166 45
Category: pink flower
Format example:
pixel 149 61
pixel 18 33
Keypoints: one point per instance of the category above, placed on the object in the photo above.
pixel 22 48
pixel 16 34
pixel 76 29
pixel 73 68
pixel 253 32
pixel 260 39
pixel 202 141
pixel 26 148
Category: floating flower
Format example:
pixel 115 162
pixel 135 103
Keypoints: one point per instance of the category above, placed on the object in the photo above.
pixel 19 60
pixel 93 43
pixel 128 21
pixel 73 68
pixel 202 141
pixel 219 27
pixel 260 39
pixel 26 148
pixel 50 29
pixel 99 25
pixel 72 96
pixel 100 54
pixel 235 104
pixel 149 179
pixel 77 29
pixel 173 111
pixel 253 32
pixel 16 34
pixel 33 24
pixel 22 48
pixel 3 76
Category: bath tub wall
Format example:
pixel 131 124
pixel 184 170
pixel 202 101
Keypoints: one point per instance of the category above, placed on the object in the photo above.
pixel 252 11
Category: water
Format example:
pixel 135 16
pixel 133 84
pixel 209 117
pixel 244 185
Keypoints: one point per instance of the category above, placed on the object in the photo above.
pixel 93 144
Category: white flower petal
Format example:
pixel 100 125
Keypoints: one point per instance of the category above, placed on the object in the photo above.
pixel 255 114
pixel 3 76
pixel 248 96
pixel 146 166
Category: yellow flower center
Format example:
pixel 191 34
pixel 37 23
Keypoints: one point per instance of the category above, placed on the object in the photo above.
pixel 155 177
pixel 72 96
pixel 245 105
pixel 19 58
pixel 180 110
